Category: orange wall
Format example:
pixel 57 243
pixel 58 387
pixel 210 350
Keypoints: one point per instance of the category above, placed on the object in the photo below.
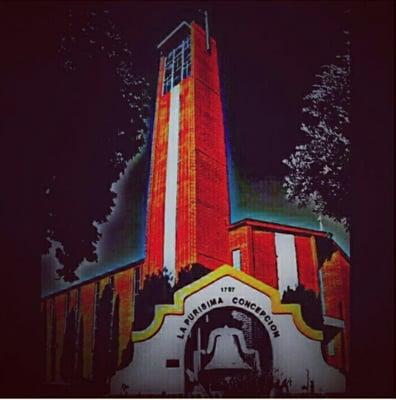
pixel 60 305
pixel 186 216
pixel 258 258
pixel 87 312
pixel 156 199
pixel 307 262
pixel 264 258
pixel 335 277
pixel 202 199
pixel 124 288
pixel 213 209
pixel 241 239
pixel 49 310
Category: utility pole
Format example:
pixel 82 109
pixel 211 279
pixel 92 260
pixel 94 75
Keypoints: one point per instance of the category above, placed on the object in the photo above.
pixel 320 222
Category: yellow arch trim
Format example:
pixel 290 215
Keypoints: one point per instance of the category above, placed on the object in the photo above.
pixel 179 297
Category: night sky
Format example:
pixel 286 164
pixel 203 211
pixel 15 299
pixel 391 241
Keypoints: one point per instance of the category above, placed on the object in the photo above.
pixel 269 54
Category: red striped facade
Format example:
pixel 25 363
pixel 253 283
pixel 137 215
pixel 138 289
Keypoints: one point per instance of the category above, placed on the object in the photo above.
pixel 87 310
pixel 89 295
pixel 202 189
pixel 255 240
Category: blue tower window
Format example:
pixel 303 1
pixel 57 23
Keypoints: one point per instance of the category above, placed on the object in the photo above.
pixel 177 65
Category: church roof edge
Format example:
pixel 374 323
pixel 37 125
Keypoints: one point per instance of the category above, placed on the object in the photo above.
pixel 278 227
pixel 134 264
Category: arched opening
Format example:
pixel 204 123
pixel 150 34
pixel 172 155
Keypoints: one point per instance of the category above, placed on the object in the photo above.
pixel 228 353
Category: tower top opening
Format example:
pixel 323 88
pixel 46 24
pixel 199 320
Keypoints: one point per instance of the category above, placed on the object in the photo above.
pixel 178 34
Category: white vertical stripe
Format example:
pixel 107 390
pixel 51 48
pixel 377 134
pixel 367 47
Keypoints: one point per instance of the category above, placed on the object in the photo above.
pixel 331 347
pixel 171 183
pixel 236 259
pixel 322 298
pixel 287 261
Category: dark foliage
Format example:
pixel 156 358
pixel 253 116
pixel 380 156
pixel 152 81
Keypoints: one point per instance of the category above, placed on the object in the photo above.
pixel 310 304
pixel 46 334
pixel 69 348
pixel 247 386
pixel 190 274
pixel 53 346
pixel 101 353
pixel 157 290
pixel 319 170
pixel 127 354
pixel 80 351
pixel 106 347
pixel 115 333
pixel 92 140
pixel 325 249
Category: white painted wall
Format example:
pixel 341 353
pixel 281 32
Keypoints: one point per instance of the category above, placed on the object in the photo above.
pixel 236 259
pixel 171 182
pixel 293 352
pixel 286 261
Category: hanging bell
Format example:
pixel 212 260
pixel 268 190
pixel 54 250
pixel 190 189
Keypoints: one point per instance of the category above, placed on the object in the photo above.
pixel 223 344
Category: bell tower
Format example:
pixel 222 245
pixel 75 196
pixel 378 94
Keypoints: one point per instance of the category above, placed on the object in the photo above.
pixel 188 204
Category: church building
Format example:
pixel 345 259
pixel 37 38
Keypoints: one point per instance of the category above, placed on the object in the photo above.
pixel 215 307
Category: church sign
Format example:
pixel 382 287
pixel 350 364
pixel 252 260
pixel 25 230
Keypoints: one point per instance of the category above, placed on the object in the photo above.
pixel 224 331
